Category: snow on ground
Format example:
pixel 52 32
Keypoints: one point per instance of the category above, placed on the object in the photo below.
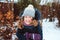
pixel 50 31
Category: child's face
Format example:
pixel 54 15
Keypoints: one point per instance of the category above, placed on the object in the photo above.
pixel 28 19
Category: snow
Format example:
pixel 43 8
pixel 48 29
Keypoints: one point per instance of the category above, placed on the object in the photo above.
pixel 15 1
pixel 14 36
pixel 50 31
pixel 44 2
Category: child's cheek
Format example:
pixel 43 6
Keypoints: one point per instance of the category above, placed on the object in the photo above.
pixel 30 21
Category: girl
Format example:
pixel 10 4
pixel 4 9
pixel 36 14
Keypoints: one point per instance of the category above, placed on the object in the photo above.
pixel 29 27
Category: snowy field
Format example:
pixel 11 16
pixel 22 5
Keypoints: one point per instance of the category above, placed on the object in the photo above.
pixel 50 31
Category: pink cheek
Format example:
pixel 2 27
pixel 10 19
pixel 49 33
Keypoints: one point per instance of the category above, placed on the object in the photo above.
pixel 30 20
pixel 25 20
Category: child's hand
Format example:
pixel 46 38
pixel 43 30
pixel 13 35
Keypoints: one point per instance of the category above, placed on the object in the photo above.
pixel 34 23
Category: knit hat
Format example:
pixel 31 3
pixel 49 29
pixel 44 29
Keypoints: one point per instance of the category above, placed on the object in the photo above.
pixel 29 11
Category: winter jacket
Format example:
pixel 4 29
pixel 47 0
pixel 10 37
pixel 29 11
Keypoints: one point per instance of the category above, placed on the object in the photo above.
pixel 30 29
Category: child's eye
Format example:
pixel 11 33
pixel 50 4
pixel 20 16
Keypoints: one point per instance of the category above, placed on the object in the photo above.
pixel 30 17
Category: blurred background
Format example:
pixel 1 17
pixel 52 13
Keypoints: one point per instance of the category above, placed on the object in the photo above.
pixel 9 15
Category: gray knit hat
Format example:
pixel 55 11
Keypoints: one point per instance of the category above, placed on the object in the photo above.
pixel 29 11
